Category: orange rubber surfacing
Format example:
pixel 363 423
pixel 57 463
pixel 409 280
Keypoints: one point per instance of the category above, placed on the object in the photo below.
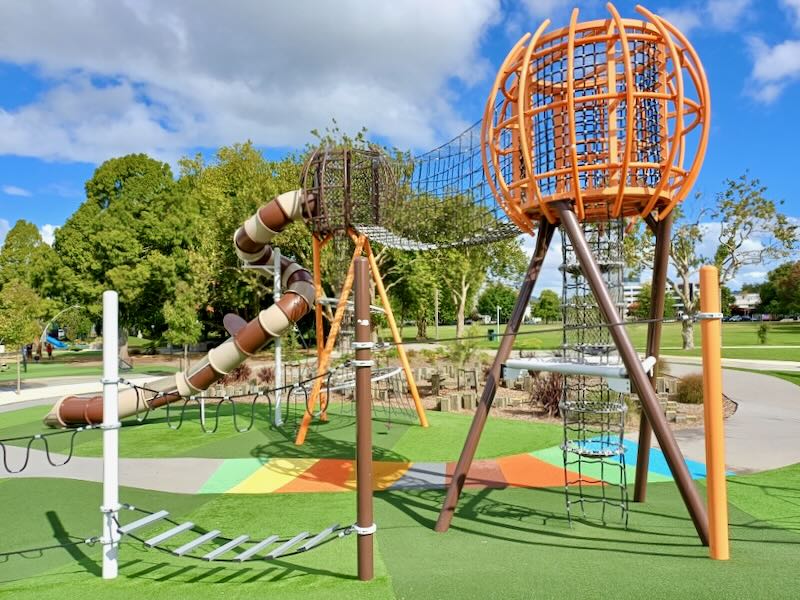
pixel 612 115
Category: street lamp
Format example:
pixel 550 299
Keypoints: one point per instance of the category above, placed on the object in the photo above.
pixel 498 318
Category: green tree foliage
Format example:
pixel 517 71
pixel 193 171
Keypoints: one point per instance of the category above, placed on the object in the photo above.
pixel 20 311
pixel 547 306
pixel 740 215
pixel 133 233
pixel 780 293
pixel 26 257
pixel 641 309
pixel 494 295
pixel 726 299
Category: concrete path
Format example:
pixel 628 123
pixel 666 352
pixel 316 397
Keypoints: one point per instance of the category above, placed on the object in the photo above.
pixel 764 433
pixel 739 363
pixel 56 387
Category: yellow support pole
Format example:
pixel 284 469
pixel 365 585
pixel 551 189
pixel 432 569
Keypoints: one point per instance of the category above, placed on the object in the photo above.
pixel 412 385
pixel 323 360
pixel 711 332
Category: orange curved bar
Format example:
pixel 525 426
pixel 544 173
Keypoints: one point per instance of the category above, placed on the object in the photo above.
pixel 557 124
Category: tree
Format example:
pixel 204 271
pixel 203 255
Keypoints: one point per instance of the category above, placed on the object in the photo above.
pixel 780 293
pixel 26 257
pixel 547 307
pixel 180 316
pixel 494 295
pixel 642 305
pixel 133 233
pixel 726 300
pixel 20 309
pixel 743 227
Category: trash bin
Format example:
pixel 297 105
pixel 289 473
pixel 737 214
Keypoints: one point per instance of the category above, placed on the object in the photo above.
pixel 491 335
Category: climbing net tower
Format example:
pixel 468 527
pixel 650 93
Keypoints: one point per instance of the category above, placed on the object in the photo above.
pixel 593 414
pixel 594 122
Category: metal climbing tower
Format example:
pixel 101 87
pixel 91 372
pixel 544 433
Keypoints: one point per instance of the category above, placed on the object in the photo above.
pixel 593 412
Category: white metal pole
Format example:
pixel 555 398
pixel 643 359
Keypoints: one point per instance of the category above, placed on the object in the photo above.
pixel 498 319
pixel 110 508
pixel 276 295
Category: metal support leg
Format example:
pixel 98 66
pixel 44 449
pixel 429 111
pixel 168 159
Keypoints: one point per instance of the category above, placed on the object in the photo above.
pixel 636 372
pixel 663 233
pixel 544 235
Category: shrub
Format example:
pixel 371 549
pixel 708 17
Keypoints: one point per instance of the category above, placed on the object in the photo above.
pixel 690 389
pixel 547 391
pixel 266 375
pixel 762 333
pixel 240 374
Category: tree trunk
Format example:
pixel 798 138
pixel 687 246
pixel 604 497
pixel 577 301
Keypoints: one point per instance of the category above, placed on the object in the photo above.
pixel 461 301
pixel 422 328
pixel 687 333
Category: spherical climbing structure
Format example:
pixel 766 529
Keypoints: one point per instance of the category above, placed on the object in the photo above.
pixel 611 115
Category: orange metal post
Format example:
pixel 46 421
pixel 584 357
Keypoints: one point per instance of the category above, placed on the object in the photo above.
pixel 412 386
pixel 323 360
pixel 711 330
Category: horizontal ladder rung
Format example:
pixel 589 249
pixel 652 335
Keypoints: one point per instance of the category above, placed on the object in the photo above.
pixel 195 543
pixel 225 547
pixel 259 546
pixel 143 522
pixel 168 534
pixel 318 538
pixel 283 548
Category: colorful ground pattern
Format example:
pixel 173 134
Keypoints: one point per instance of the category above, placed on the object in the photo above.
pixel 538 469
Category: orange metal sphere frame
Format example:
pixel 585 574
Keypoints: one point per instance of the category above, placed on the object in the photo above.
pixel 612 115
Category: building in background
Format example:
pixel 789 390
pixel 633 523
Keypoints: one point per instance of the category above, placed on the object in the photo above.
pixel 744 303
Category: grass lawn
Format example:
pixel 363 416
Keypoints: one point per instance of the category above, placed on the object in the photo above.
pixel 62 369
pixel 512 543
pixel 540 337
pixel 791 376
pixel 396 440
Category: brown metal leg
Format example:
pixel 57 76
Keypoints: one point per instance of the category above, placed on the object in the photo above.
pixel 636 372
pixel 544 235
pixel 663 232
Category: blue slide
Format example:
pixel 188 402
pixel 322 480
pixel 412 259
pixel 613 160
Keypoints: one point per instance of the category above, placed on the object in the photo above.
pixel 56 343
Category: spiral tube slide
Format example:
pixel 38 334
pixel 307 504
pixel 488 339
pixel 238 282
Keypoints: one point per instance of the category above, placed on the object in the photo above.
pixel 252 244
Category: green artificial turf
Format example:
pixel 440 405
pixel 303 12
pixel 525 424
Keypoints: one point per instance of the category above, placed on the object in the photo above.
pixel 538 337
pixel 398 439
pixel 504 543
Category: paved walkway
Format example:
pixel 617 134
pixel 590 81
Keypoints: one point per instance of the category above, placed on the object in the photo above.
pixel 763 433
pixel 739 363
pixel 52 388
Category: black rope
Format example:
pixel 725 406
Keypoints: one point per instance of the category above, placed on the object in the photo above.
pixel 44 437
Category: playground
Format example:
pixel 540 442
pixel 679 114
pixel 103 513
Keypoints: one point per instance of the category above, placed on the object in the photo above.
pixel 313 447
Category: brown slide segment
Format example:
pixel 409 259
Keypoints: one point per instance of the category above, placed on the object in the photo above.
pixel 251 242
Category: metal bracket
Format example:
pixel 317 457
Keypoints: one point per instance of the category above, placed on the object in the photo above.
pixel 110 426
pixel 365 530
pixel 362 363
pixel 116 381
pixel 106 510
pixel 364 322
pixel 708 316
pixel 363 345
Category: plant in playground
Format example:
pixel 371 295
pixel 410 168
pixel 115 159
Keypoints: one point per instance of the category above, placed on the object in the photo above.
pixel 464 350
pixel 19 317
pixel 548 389
pixel 266 375
pixel 763 331
pixel 240 374
pixel 690 389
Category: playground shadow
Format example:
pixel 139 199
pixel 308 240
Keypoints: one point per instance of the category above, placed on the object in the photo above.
pixel 479 514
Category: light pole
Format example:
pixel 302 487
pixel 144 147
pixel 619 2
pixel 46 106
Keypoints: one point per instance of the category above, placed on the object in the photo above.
pixel 498 319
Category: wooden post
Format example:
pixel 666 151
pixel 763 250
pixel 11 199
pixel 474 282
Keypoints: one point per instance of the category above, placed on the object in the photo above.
pixel 365 525
pixel 711 332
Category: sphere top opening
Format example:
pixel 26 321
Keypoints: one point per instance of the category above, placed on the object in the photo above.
pixel 611 115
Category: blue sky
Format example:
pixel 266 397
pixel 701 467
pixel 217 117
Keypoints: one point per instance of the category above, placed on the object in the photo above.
pixel 88 81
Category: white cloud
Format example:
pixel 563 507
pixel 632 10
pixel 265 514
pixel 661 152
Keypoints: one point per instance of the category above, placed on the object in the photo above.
pixel 5 226
pixel 774 67
pixel 161 78
pixel 13 190
pixel 727 14
pixel 793 6
pixel 685 19
pixel 48 232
